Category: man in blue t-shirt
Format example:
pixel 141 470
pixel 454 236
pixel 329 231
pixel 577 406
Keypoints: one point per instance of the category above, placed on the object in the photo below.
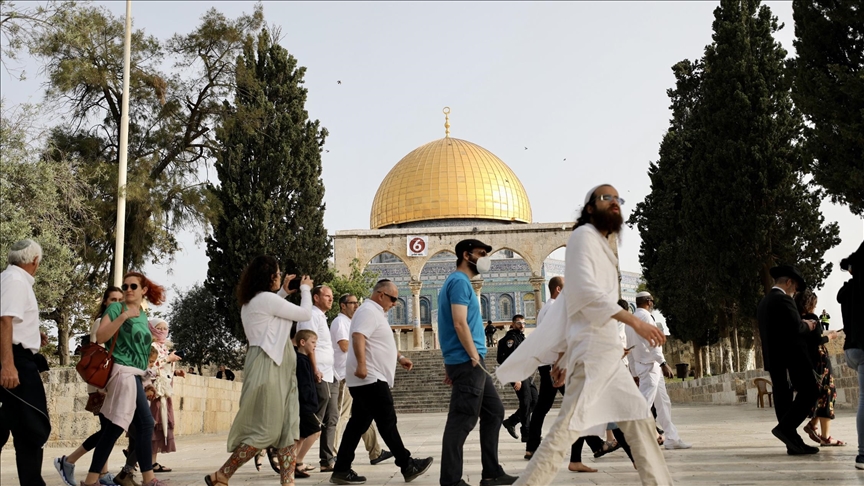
pixel 473 395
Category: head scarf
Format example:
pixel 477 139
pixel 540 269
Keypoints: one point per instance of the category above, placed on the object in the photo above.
pixel 158 336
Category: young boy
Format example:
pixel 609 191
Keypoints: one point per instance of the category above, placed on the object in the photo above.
pixel 310 427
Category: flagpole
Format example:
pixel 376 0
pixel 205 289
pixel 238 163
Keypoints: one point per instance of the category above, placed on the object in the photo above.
pixel 124 148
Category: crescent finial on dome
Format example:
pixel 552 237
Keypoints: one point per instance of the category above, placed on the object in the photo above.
pixel 446 121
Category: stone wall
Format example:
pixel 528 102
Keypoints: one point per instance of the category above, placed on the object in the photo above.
pixel 732 388
pixel 201 405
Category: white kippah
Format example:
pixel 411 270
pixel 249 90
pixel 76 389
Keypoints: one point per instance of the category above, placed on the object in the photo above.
pixel 591 193
pixel 643 294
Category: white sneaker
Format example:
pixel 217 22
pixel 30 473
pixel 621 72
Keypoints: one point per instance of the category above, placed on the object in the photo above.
pixel 677 444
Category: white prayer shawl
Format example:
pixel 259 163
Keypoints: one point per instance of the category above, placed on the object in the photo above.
pixel 582 318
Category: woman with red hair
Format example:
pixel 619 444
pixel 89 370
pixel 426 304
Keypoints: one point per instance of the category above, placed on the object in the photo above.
pixel 124 325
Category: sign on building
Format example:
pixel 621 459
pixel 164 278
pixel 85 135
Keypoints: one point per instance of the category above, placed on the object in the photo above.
pixel 417 246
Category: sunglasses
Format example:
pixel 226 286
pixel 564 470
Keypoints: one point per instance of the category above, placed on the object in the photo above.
pixel 392 299
pixel 133 286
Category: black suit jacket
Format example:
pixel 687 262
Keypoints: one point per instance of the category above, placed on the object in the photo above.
pixel 782 331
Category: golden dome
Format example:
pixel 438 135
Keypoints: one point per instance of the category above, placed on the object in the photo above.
pixel 450 179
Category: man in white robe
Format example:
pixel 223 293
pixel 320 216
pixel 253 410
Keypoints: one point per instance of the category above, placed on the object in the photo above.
pixel 599 389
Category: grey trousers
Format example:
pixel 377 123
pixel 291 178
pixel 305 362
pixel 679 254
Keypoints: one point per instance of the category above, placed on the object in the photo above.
pixel 328 414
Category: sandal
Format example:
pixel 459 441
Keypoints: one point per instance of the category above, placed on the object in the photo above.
pixel 812 433
pixel 160 468
pixel 301 474
pixel 606 448
pixel 273 456
pixel 304 467
pixel 258 461
pixel 660 440
pixel 831 441
pixel 214 482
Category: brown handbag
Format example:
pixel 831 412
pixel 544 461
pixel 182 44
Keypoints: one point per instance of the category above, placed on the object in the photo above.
pixel 96 363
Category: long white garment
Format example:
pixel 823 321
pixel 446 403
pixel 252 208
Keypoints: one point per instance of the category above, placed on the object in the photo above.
pixel 653 387
pixel 582 317
pixel 643 352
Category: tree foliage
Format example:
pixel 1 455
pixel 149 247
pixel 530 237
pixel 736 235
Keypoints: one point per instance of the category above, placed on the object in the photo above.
pixel 829 89
pixel 201 333
pixel 728 197
pixel 21 25
pixel 357 283
pixel 46 200
pixel 269 168
pixel 170 116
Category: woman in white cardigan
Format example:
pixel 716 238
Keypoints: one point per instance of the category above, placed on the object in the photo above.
pixel 269 414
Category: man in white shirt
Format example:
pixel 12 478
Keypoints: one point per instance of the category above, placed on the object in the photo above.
pixel 23 408
pixel 340 333
pixel 328 385
pixel 370 371
pixel 648 364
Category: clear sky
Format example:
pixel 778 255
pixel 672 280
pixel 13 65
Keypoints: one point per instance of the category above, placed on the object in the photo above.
pixel 581 81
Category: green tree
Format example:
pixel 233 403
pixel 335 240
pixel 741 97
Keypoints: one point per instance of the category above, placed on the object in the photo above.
pixel 829 89
pixel 269 168
pixel 21 25
pixel 170 116
pixel 357 283
pixel 728 199
pixel 45 200
pixel 201 333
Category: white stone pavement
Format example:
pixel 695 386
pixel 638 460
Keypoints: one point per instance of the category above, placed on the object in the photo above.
pixel 732 445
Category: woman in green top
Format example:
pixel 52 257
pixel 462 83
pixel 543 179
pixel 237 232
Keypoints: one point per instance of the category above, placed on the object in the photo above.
pixel 125 401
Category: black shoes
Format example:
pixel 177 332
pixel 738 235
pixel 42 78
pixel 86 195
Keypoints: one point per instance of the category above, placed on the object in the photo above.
pixel 795 445
pixel 502 479
pixel 381 458
pixel 416 468
pixel 524 432
pixel 347 477
pixel 511 429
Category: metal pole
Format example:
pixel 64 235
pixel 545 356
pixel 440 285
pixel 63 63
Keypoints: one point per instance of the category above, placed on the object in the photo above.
pixel 124 147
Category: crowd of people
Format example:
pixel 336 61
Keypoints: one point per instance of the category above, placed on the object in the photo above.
pixel 305 381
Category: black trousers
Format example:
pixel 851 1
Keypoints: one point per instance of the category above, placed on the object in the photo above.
pixel 527 395
pixel 371 402
pixel 472 397
pixel 791 413
pixel 545 398
pixel 593 441
pixel 24 414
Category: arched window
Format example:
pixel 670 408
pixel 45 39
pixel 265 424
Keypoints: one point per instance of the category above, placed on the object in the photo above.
pixel 505 307
pixel 397 314
pixel 484 308
pixel 528 305
pixel 425 314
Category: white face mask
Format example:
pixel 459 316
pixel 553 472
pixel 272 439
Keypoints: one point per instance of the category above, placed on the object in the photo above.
pixel 483 264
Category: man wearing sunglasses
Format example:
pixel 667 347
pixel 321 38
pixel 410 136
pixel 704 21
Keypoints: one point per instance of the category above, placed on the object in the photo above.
pixel 369 373
pixel 648 364
pixel 473 395
pixel 582 329
pixel 340 335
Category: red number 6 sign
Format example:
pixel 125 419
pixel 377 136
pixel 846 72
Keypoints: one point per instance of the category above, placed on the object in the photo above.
pixel 416 246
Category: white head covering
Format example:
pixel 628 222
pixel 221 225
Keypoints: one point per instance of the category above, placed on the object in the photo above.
pixel 643 294
pixel 591 193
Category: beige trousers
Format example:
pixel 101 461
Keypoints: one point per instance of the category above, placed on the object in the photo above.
pixel 370 437
pixel 640 435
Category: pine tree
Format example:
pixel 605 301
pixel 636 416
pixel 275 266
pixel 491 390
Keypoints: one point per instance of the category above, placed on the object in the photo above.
pixel 269 169
pixel 829 89
pixel 732 174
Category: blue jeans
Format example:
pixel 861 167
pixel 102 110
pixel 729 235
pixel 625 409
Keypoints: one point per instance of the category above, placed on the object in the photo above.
pixel 855 360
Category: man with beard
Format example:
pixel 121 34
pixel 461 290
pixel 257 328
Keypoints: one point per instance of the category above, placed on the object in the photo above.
pixel 784 351
pixel 473 394
pixel 526 392
pixel 599 390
